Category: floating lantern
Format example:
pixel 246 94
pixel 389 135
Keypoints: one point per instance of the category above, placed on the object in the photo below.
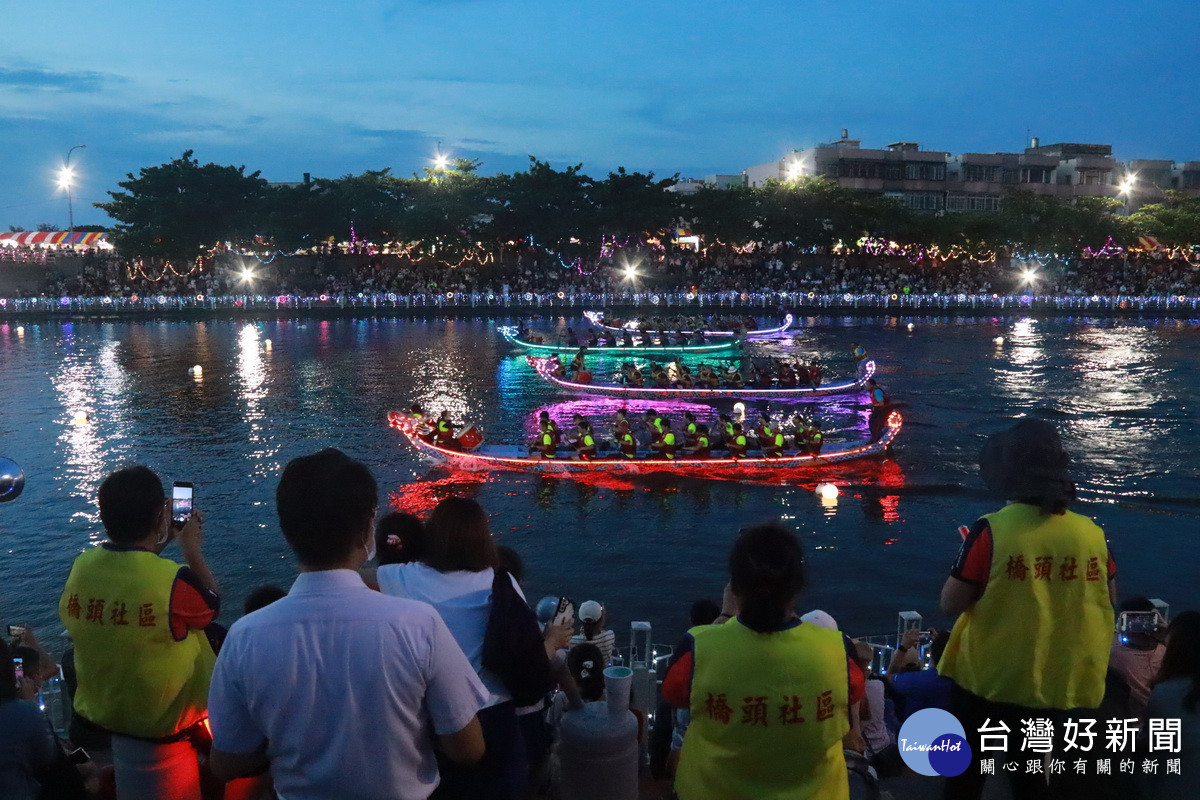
pixel 266 344
pixel 827 491
pixel 197 370
pixel 80 418
pixel 910 326
pixel 999 340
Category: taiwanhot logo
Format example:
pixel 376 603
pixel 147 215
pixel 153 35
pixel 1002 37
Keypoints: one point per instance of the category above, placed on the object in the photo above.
pixel 933 742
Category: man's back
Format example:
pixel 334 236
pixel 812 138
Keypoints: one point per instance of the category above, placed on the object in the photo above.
pixel 344 684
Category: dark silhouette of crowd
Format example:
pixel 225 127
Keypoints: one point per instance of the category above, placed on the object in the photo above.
pixel 674 270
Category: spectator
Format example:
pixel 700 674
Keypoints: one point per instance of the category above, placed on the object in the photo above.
pixel 455 577
pixel 918 689
pixel 670 724
pixel 32 763
pixel 340 690
pixel 1137 656
pixel 876 716
pixel 399 538
pixel 1033 584
pixel 141 655
pixel 1174 696
pixel 594 617
pixel 263 596
pixel 769 694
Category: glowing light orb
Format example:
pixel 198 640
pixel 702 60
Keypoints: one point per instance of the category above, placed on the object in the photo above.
pixel 197 370
pixel 80 418
pixel 910 326
pixel 999 340
pixel 827 491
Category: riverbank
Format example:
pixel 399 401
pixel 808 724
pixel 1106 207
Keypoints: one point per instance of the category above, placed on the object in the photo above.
pixel 458 304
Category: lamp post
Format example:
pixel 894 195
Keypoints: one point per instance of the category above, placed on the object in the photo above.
pixel 1126 189
pixel 65 181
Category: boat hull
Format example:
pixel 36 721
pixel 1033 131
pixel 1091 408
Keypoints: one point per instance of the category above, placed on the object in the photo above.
pixel 545 368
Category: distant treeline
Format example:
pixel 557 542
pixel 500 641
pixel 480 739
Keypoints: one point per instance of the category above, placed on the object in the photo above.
pixel 181 209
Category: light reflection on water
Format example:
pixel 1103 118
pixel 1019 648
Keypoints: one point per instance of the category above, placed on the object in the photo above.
pixel 1121 392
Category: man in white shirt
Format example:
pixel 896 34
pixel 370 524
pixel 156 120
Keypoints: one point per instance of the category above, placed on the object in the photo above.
pixel 342 691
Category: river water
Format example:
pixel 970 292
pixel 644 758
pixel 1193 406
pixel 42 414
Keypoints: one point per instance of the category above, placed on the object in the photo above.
pixel 1123 391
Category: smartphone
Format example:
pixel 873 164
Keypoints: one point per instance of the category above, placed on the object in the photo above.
pixel 19 670
pixel 181 503
pixel 16 630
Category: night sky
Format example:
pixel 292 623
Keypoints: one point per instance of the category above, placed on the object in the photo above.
pixel 695 88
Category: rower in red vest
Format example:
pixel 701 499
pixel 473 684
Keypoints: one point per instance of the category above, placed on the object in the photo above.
pixel 737 444
pixel 544 423
pixel 667 445
pixel 880 407
pixel 702 447
pixel 585 445
pixel 765 431
pixel 691 429
pixel 655 423
pixel 546 442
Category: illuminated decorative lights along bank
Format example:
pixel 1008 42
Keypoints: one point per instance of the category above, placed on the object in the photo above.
pixel 577 302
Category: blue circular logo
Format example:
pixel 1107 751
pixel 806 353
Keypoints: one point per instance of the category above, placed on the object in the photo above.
pixel 932 742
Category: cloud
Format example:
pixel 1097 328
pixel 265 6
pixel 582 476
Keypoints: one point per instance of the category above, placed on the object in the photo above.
pixel 31 80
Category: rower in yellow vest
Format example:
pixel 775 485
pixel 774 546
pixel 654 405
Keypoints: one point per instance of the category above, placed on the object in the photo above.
pixel 666 446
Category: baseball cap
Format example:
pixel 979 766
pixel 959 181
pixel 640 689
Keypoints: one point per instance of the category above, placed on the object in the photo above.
pixel 821 619
pixel 591 611
pixel 547 607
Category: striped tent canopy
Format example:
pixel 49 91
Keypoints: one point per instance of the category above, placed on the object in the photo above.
pixel 78 238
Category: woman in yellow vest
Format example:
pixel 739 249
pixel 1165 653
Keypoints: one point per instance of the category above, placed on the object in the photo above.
pixel 769 695
pixel 1033 585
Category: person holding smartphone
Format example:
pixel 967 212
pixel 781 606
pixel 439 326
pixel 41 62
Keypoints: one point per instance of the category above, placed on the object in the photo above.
pixel 137 619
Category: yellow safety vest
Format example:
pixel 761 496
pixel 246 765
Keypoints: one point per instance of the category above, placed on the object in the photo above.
pixel 669 440
pixel 1040 634
pixel 779 440
pixel 768 715
pixel 134 677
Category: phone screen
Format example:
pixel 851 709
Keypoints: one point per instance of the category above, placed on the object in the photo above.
pixel 19 669
pixel 181 503
pixel 566 612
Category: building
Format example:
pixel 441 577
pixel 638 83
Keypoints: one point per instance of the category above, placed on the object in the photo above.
pixel 933 180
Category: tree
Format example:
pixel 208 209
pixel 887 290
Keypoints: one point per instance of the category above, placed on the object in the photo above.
pixel 726 215
pixel 550 205
pixel 1175 221
pixel 634 204
pixel 178 209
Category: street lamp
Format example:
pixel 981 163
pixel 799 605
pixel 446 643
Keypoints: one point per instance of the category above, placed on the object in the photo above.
pixel 64 180
pixel 1126 187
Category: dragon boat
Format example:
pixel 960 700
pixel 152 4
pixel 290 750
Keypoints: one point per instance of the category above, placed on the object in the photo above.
pixel 547 368
pixel 597 319
pixel 485 457
pixel 647 347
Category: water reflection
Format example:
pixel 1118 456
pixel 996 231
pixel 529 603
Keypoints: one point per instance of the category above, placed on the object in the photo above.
pixel 252 374
pixel 94 437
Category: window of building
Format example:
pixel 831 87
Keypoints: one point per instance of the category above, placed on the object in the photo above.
pixel 924 172
pixel 924 201
pixel 1036 174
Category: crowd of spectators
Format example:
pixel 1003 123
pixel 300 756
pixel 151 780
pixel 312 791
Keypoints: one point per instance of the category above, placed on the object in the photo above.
pixel 406 662
pixel 714 270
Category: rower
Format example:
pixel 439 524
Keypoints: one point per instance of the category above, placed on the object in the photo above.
pixel 544 423
pixel 858 351
pixel 609 339
pixel 725 426
pixel 666 446
pixel 702 446
pixel 546 443
pixel 633 376
pixel 627 338
pixel 787 377
pixel 626 445
pixel 765 431
pixel 585 444
pixel 593 340
pixel 691 430
pixel 656 424
pixel 444 431
pixel 737 443
pixel 621 426
pixel 880 404
pixel 772 446
pixel 572 339
pixel 577 363
pixel 813 439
